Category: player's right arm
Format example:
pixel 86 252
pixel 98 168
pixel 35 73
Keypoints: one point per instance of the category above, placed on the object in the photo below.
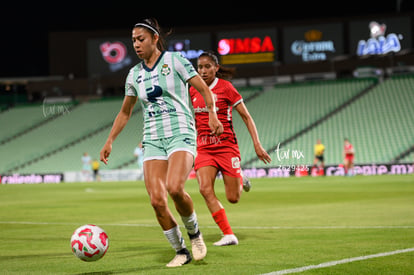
pixel 119 124
pixel 214 123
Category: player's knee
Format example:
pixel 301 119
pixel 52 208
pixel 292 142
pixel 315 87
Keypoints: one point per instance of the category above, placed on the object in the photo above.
pixel 233 198
pixel 159 204
pixel 175 191
pixel 206 191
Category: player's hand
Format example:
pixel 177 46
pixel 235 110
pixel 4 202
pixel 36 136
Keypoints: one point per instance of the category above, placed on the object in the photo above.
pixel 106 150
pixel 215 124
pixel 262 154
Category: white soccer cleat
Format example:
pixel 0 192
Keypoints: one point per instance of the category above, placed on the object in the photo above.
pixel 227 240
pixel 246 183
pixel 199 248
pixel 183 257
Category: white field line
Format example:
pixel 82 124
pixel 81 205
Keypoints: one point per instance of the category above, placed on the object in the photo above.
pixel 343 261
pixel 327 227
pixel 235 227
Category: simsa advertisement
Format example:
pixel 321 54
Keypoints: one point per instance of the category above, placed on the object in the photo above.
pixel 247 46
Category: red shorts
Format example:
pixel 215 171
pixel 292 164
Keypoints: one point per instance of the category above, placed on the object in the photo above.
pixel 225 157
pixel 350 158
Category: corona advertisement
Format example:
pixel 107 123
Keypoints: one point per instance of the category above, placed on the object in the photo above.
pixel 312 43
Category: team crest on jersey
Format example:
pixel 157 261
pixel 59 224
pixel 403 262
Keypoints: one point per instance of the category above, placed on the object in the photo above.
pixel 165 70
pixel 235 162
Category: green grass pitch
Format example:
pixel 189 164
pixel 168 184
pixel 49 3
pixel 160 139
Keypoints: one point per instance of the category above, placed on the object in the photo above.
pixel 281 224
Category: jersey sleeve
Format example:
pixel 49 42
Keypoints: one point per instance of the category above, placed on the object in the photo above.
pixel 184 67
pixel 129 85
pixel 233 95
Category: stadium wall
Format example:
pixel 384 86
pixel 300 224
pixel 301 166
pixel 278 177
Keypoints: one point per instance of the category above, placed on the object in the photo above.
pixel 330 170
pixel 271 172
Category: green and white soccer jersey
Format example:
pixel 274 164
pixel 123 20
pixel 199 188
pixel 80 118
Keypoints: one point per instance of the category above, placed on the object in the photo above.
pixel 162 91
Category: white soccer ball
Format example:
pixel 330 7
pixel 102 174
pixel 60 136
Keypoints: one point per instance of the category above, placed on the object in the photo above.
pixel 89 242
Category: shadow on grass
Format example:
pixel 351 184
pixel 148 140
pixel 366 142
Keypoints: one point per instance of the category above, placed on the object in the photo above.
pixel 122 271
pixel 22 257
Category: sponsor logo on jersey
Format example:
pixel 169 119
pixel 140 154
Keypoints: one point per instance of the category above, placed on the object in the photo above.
pixel 235 162
pixel 139 78
pixel 153 92
pixel 203 110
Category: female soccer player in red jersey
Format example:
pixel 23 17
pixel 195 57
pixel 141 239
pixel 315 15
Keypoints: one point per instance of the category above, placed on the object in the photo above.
pixel 221 153
pixel 348 153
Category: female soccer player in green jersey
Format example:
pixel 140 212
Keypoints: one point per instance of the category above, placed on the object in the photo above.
pixel 159 81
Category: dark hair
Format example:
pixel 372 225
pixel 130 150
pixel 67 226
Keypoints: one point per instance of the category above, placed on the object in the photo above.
pixel 151 24
pixel 223 72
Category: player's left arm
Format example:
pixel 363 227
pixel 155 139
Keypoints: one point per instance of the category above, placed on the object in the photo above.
pixel 251 127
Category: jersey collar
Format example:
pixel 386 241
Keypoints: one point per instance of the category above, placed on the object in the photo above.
pixel 155 64
pixel 214 83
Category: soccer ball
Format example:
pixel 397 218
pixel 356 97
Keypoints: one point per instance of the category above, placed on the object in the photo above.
pixel 89 242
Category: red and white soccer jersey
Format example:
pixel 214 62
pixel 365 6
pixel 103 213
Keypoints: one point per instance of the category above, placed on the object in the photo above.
pixel 223 151
pixel 349 152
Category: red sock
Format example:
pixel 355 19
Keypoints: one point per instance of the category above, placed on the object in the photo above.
pixel 221 219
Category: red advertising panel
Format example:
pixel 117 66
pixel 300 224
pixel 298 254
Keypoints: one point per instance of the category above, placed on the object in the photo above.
pixel 247 46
